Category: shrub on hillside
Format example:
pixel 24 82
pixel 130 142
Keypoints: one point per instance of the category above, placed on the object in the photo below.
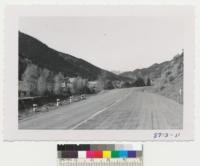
pixel 168 73
pixel 171 78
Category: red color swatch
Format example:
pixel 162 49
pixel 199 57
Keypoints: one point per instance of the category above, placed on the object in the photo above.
pixel 94 154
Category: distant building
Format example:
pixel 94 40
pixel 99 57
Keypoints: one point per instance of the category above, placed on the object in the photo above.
pixel 65 84
pixel 70 81
pixel 93 85
pixel 118 84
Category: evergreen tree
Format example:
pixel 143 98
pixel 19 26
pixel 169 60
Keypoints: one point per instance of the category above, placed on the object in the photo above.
pixel 148 82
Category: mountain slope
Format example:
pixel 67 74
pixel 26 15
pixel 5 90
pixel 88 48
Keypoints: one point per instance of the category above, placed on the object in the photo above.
pixel 153 71
pixel 33 51
pixel 166 77
pixel 170 83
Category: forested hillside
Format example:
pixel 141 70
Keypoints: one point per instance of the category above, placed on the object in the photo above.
pixel 35 52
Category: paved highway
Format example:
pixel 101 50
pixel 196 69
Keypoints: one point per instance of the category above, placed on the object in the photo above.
pixel 128 108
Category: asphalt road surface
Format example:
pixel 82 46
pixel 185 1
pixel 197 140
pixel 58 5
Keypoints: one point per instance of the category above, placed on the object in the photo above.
pixel 128 108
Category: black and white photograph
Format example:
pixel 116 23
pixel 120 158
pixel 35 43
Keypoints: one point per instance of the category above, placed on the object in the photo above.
pixel 103 71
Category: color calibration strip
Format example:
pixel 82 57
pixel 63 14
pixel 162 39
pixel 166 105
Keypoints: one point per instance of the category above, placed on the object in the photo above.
pixel 99 154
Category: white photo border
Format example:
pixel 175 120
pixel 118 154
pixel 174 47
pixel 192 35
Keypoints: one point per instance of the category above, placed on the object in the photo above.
pixel 13 13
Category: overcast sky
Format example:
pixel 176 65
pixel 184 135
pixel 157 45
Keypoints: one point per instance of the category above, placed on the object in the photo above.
pixel 112 43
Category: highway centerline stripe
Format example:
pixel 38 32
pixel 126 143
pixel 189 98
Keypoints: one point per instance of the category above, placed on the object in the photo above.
pixel 99 112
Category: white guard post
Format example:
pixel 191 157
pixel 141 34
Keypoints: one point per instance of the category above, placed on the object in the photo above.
pixel 70 99
pixel 34 107
pixel 180 92
pixel 57 102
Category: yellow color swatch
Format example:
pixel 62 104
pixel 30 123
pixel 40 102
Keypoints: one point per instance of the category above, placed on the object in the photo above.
pixel 106 154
